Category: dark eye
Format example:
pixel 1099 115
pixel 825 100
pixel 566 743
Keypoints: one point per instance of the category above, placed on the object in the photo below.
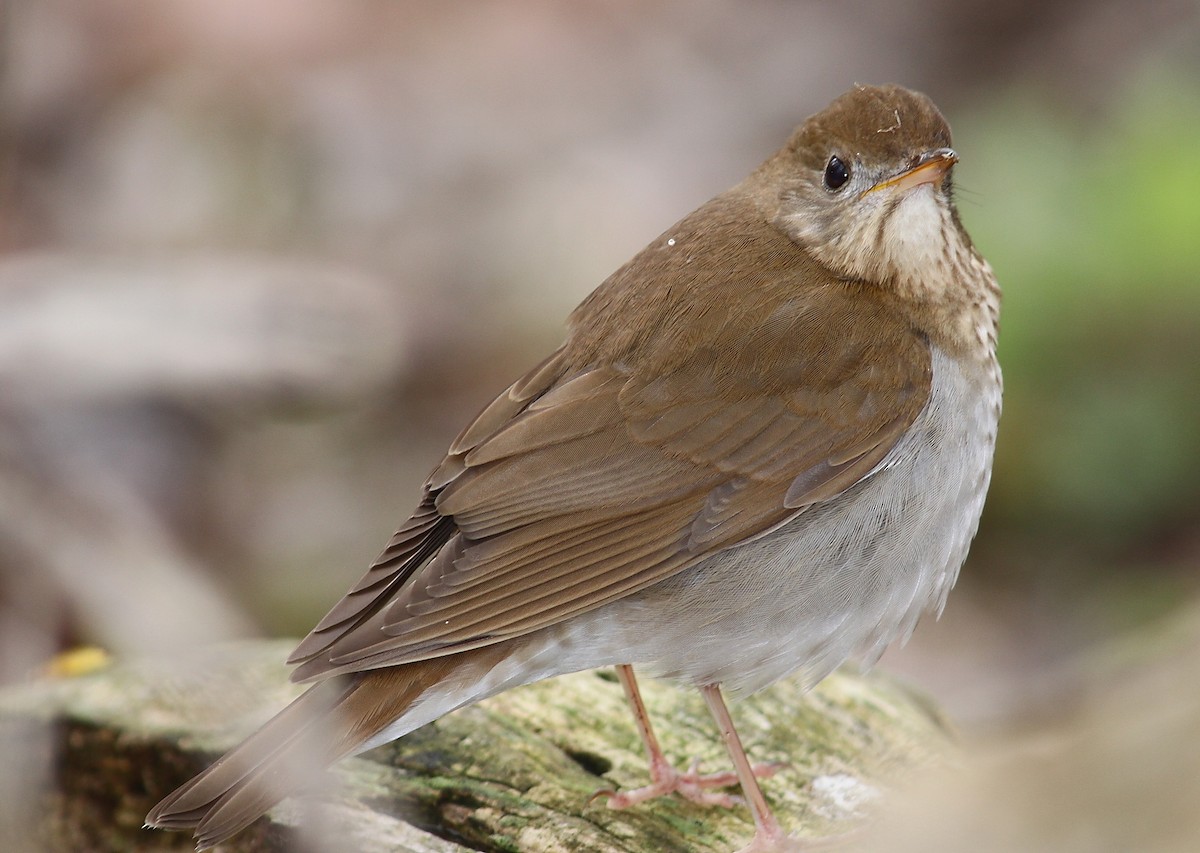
pixel 836 174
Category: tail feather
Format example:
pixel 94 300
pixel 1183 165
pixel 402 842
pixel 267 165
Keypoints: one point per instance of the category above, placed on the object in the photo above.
pixel 333 719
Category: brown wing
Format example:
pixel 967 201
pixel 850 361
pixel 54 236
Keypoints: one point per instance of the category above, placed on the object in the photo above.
pixel 579 486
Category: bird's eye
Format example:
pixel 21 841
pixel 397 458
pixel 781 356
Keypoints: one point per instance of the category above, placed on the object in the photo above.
pixel 836 174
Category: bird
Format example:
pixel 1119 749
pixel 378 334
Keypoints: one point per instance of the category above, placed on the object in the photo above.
pixel 762 450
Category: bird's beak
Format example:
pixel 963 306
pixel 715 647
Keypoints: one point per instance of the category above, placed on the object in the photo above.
pixel 931 168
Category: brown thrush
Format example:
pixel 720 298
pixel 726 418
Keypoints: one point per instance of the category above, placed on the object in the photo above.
pixel 763 448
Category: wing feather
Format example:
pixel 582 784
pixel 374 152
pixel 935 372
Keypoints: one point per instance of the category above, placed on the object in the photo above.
pixel 588 479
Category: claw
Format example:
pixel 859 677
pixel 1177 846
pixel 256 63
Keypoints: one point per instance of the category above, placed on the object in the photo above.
pixel 603 792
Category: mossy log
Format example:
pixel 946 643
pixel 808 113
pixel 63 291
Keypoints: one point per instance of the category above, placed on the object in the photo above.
pixel 88 756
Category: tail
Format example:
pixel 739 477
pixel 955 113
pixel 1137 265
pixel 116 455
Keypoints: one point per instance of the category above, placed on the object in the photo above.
pixel 333 719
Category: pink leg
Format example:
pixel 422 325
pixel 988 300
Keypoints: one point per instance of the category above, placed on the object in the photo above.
pixel 665 779
pixel 768 835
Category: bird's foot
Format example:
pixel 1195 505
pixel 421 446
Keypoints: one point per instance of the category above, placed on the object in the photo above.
pixel 691 785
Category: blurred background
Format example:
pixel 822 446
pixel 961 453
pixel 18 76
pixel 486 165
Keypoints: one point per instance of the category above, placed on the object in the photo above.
pixel 260 262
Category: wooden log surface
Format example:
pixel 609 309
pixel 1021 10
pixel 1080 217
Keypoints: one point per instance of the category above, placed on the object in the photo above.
pixel 87 756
